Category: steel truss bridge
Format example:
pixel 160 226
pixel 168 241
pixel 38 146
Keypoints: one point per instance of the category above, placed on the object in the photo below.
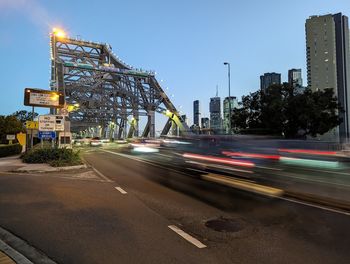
pixel 106 92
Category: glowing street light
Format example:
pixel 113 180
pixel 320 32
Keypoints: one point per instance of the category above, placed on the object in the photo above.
pixel 59 33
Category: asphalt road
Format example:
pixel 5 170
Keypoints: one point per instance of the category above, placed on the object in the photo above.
pixel 77 220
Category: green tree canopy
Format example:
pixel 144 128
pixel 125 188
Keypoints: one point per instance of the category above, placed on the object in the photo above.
pixel 24 115
pixel 9 125
pixel 280 110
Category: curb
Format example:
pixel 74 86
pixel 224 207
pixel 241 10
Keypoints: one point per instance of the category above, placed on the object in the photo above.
pixel 52 169
pixel 20 251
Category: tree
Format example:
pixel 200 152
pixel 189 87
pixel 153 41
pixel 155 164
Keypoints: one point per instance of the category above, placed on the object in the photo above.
pixel 24 115
pixel 9 125
pixel 280 110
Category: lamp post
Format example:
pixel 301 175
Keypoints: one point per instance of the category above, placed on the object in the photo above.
pixel 229 95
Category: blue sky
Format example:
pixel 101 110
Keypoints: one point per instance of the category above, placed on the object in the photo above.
pixel 185 42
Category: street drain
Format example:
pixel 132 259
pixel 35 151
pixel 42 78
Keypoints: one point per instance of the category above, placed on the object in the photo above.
pixel 224 225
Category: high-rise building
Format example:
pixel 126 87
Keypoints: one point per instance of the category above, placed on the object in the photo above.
pixel 196 113
pixel 269 79
pixel 296 80
pixel 230 103
pixel 205 123
pixel 185 119
pixel 295 77
pixel 215 113
pixel 328 62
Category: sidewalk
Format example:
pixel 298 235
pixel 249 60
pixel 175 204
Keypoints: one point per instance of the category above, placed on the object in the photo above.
pixel 10 163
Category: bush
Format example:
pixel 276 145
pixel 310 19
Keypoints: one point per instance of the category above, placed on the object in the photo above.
pixel 8 150
pixel 56 157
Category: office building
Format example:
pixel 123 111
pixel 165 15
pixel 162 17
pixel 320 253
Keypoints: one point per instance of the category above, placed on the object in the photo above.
pixel 269 79
pixel 215 114
pixel 296 80
pixel 230 103
pixel 295 77
pixel 196 113
pixel 328 66
pixel 185 119
pixel 205 123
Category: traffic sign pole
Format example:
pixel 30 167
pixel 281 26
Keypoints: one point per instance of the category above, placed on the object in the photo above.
pixel 31 131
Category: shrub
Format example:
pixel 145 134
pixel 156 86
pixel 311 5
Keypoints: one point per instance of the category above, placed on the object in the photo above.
pixel 8 150
pixel 56 157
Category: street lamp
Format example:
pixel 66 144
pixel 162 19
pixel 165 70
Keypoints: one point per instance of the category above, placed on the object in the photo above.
pixel 229 95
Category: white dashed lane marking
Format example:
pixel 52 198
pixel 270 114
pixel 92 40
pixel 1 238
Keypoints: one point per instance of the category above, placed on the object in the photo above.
pixel 120 190
pixel 188 237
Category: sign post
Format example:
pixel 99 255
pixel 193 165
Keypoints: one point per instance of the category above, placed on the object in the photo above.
pixel 42 98
pixel 10 138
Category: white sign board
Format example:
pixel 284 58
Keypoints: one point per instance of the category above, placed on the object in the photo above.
pixel 10 137
pixel 43 99
pixel 59 126
pixel 47 123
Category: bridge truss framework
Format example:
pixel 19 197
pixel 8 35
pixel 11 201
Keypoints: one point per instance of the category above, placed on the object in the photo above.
pixel 108 91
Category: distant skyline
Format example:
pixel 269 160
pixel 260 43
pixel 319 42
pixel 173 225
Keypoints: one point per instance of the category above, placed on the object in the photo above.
pixel 185 42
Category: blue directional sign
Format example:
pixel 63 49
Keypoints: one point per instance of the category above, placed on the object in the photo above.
pixel 46 134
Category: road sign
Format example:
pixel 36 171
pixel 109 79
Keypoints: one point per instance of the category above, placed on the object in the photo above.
pixel 64 111
pixel 43 98
pixel 22 138
pixel 46 134
pixel 10 137
pixel 32 124
pixel 47 122
pixel 59 126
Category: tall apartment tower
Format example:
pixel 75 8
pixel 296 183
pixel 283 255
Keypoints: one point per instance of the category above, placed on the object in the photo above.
pixel 215 113
pixel 196 113
pixel 268 79
pixel 328 62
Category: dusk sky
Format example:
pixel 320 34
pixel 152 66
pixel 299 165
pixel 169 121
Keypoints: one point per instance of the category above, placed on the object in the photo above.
pixel 185 42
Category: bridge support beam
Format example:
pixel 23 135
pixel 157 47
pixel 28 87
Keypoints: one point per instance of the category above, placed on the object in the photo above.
pixel 167 127
pixel 174 129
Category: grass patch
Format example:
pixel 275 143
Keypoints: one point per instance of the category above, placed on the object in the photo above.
pixel 56 157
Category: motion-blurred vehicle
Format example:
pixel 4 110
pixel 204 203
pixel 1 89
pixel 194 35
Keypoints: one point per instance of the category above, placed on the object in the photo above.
pixel 96 142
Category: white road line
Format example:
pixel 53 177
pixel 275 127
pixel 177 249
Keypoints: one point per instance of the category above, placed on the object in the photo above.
pixel 315 206
pixel 101 175
pixel 98 172
pixel 164 155
pixel 292 176
pixel 141 160
pixel 188 237
pixel 121 190
pixel 268 168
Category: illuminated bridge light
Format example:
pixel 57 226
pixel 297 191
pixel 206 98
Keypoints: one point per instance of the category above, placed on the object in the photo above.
pixel 219 160
pixel 308 151
pixel 59 33
pixel 251 155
